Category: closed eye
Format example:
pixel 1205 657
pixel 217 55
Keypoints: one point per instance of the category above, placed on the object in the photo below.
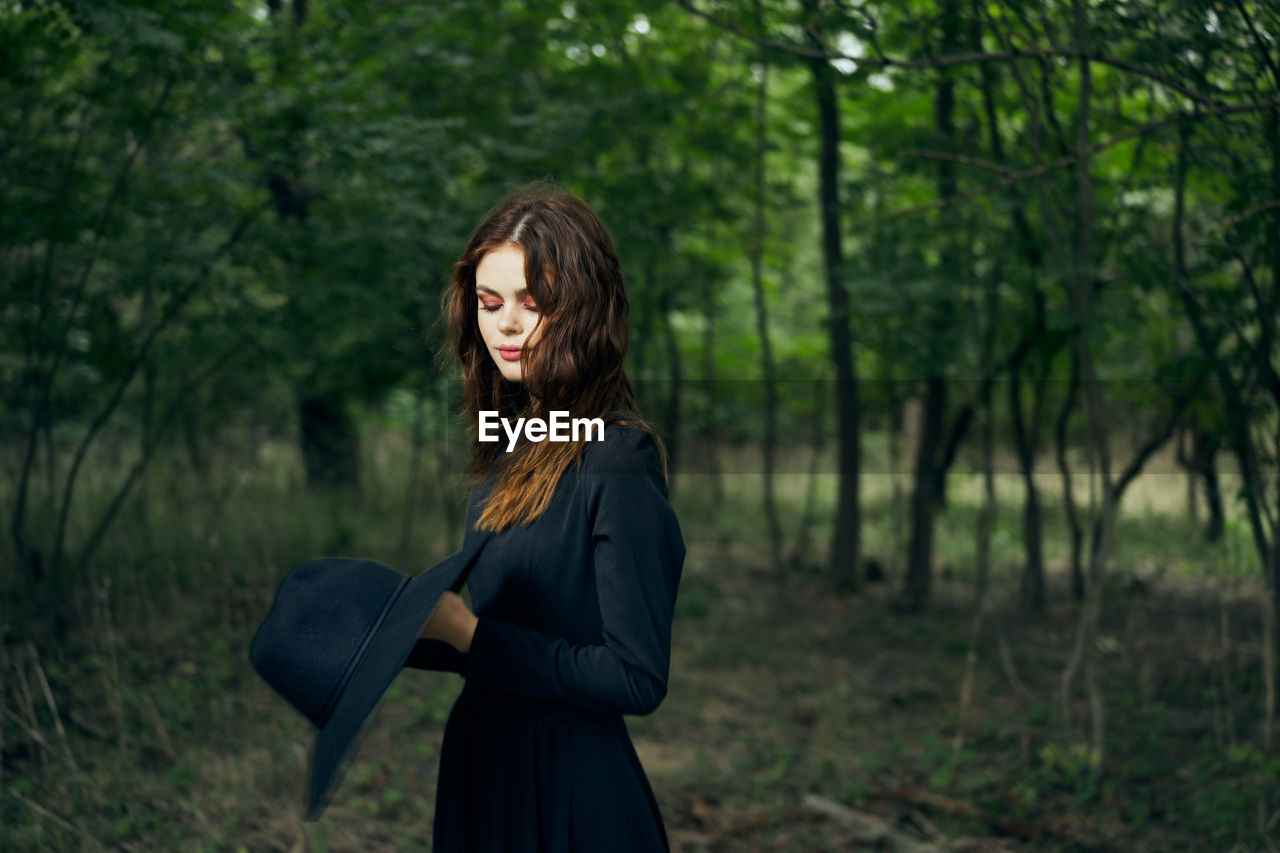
pixel 494 306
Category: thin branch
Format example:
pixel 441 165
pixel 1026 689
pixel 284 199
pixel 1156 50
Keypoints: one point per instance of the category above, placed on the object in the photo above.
pixel 1257 40
pixel 42 406
pixel 1036 107
pixel 1070 159
pixel 46 275
pixel 963 159
pixel 1159 437
pixel 31 353
pixel 53 705
pixel 1266 319
pixel 172 308
pixel 1246 214
pixel 1043 54
pixel 73 828
pixel 141 463
pixel 1239 432
pixel 116 191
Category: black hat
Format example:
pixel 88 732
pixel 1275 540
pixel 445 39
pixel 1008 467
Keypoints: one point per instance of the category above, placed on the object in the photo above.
pixel 338 634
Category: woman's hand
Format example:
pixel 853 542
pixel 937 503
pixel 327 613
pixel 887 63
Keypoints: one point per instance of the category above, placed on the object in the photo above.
pixel 452 622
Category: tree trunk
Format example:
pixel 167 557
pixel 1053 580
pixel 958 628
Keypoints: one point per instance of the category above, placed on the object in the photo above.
pixel 1079 287
pixel 919 576
pixel 903 415
pixel 1266 359
pixel 987 514
pixel 1201 465
pixel 762 324
pixel 817 441
pixel 330 441
pixel 409 555
pixel 192 440
pixel 846 541
pixel 149 380
pixel 675 385
pixel 1075 530
pixel 1026 441
pixel 711 436
pixel 1031 587
pixel 932 459
pixel 1206 451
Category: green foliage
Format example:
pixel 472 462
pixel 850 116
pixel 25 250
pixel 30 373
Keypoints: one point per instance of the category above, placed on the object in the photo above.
pixel 1074 769
pixel 697 599
pixel 1238 782
pixel 214 210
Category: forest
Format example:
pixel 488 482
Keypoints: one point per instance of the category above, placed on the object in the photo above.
pixel 957 318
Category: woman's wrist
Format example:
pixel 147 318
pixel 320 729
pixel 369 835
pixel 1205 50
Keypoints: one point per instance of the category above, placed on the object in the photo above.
pixel 452 622
pixel 466 632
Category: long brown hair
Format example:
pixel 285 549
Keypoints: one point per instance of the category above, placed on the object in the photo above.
pixel 572 272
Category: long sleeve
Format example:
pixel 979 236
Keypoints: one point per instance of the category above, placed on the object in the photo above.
pixel 430 653
pixel 637 556
pixel 434 654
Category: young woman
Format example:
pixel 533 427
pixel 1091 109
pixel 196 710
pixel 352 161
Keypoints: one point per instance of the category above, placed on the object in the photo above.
pixel 575 591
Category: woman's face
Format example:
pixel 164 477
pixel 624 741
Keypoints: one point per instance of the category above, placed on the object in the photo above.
pixel 506 313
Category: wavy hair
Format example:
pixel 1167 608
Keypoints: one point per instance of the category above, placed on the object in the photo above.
pixel 572 272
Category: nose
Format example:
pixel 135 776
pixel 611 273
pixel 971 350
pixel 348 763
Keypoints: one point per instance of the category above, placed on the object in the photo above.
pixel 508 322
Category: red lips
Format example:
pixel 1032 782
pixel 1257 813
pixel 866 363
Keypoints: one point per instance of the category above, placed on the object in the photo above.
pixel 509 353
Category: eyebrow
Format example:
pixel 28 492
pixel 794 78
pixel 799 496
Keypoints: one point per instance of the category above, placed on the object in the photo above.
pixel 524 291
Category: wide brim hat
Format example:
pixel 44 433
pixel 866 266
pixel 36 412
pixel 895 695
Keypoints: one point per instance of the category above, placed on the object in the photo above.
pixel 339 632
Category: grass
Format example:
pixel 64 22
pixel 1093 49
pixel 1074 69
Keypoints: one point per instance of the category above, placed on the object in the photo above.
pixel 169 740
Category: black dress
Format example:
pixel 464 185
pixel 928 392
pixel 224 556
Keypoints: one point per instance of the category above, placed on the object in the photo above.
pixel 574 631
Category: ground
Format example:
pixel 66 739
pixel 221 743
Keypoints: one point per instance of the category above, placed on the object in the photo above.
pixel 795 713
